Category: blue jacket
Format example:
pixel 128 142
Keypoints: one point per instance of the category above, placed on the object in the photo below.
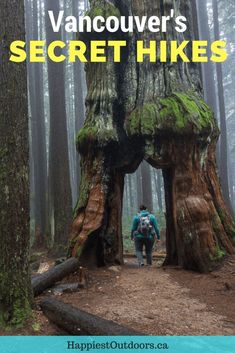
pixel 153 221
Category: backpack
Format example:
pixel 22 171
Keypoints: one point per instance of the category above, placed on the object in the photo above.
pixel 144 227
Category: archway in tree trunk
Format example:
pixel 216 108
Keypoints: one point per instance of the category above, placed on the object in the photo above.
pixel 144 187
pixel 153 112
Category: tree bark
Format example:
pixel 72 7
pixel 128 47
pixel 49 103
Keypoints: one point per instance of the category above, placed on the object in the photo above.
pixel 207 68
pixel 147 186
pixel 15 289
pixel 55 274
pixel 223 125
pixel 80 323
pixel 151 112
pixel 36 88
pixel 59 175
pixel 139 187
pixel 79 106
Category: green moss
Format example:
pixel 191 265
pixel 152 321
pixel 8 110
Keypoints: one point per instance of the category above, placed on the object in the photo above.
pixel 177 113
pixel 96 136
pixel 15 293
pixel 20 313
pixel 104 9
pixel 79 252
pixel 187 109
pixel 143 120
pixel 36 327
pixel 232 234
pixel 232 231
pixel 222 215
pixel 172 111
pixel 83 194
pixel 148 119
pixel 216 223
pixel 219 254
pixel 85 135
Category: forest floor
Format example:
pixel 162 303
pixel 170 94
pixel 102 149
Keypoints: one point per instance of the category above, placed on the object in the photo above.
pixel 153 300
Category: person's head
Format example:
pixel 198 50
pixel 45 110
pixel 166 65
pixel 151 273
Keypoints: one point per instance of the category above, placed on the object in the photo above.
pixel 143 208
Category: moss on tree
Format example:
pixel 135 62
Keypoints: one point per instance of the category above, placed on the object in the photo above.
pixel 92 135
pixel 219 254
pixel 178 112
pixel 102 8
pixel 156 112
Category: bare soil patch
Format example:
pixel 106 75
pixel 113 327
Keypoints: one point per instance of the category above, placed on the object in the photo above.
pixel 153 300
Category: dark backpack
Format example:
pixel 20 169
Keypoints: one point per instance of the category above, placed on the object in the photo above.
pixel 145 226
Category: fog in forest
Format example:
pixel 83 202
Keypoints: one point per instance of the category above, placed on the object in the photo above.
pixel 57 94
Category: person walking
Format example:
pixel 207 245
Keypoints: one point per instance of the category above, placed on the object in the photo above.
pixel 144 231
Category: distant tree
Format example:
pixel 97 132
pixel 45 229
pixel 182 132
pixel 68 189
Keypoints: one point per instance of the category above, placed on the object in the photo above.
pixel 146 186
pixel 78 92
pixel 139 186
pixel 158 181
pixel 36 90
pixel 223 125
pixel 15 285
pixel 59 174
pixel 207 68
pixel 227 31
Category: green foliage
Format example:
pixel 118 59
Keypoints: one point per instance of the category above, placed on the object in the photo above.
pixel 36 327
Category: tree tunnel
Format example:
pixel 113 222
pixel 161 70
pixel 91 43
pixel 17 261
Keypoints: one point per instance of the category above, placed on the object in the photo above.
pixel 152 112
pixel 144 187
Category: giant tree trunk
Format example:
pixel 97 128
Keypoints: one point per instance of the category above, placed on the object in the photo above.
pixel 15 289
pixel 152 112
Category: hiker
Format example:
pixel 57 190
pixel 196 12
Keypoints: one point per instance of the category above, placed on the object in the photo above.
pixel 144 231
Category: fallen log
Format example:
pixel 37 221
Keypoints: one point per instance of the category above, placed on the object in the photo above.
pixel 55 274
pixel 62 288
pixel 78 322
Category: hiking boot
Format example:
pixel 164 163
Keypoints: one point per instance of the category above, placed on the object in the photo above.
pixel 141 264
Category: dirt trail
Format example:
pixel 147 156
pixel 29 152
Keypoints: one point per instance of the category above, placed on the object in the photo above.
pixel 162 302
pixel 153 300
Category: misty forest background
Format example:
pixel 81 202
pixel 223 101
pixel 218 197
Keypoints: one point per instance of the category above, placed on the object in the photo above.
pixel 57 113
